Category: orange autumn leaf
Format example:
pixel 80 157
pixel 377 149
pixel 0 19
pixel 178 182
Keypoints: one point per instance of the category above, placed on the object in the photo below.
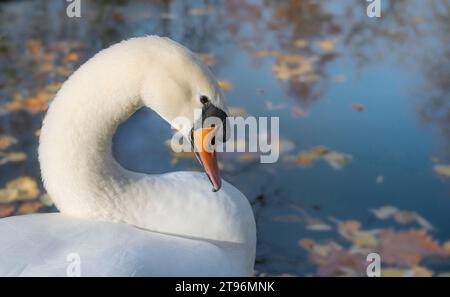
pixel 14 106
pixel 34 105
pixel 71 57
pixel 407 248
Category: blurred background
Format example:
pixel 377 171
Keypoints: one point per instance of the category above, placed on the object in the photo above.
pixel 364 108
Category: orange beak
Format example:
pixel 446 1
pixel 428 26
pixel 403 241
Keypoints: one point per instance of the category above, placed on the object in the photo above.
pixel 207 155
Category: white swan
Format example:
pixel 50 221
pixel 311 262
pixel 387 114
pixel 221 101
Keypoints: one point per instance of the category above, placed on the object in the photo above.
pixel 115 222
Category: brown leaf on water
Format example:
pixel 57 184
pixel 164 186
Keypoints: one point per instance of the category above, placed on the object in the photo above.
pixel 416 271
pixel 29 207
pixel 7 210
pixel 333 260
pixel 407 248
pixel 306 158
pixel 7 141
pixel 19 189
pixel 334 159
pixel 358 107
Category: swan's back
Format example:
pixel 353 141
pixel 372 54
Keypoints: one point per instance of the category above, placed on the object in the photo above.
pixel 47 244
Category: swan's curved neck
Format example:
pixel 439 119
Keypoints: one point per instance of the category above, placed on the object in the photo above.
pixel 75 152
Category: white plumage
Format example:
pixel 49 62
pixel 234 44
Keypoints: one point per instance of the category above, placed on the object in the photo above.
pixel 184 228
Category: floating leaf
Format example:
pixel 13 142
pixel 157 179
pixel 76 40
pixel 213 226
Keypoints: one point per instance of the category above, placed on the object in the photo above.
pixel 29 207
pixel 327 45
pixel 402 217
pixel 12 157
pixel 7 210
pixel 443 170
pixel 6 142
pixel 384 212
pixel 225 85
pixel 333 260
pixel 34 105
pixel 416 271
pixel 20 189
pixel 319 227
pixel 301 43
pixel 71 57
pixel 407 248
pixel 337 160
pixel 358 107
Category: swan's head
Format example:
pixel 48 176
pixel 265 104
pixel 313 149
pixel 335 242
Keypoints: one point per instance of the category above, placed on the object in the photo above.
pixel 184 92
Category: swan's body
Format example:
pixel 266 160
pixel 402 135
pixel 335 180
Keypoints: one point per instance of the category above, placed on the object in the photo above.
pixel 186 228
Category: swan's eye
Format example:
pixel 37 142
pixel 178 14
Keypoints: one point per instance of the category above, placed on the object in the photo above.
pixel 204 99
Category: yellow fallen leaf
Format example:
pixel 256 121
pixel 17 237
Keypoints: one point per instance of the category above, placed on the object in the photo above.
pixel 327 45
pixel 16 157
pixel 443 170
pixel 301 43
pixel 19 189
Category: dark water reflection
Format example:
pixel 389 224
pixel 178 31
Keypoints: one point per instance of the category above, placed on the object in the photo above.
pixel 397 67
